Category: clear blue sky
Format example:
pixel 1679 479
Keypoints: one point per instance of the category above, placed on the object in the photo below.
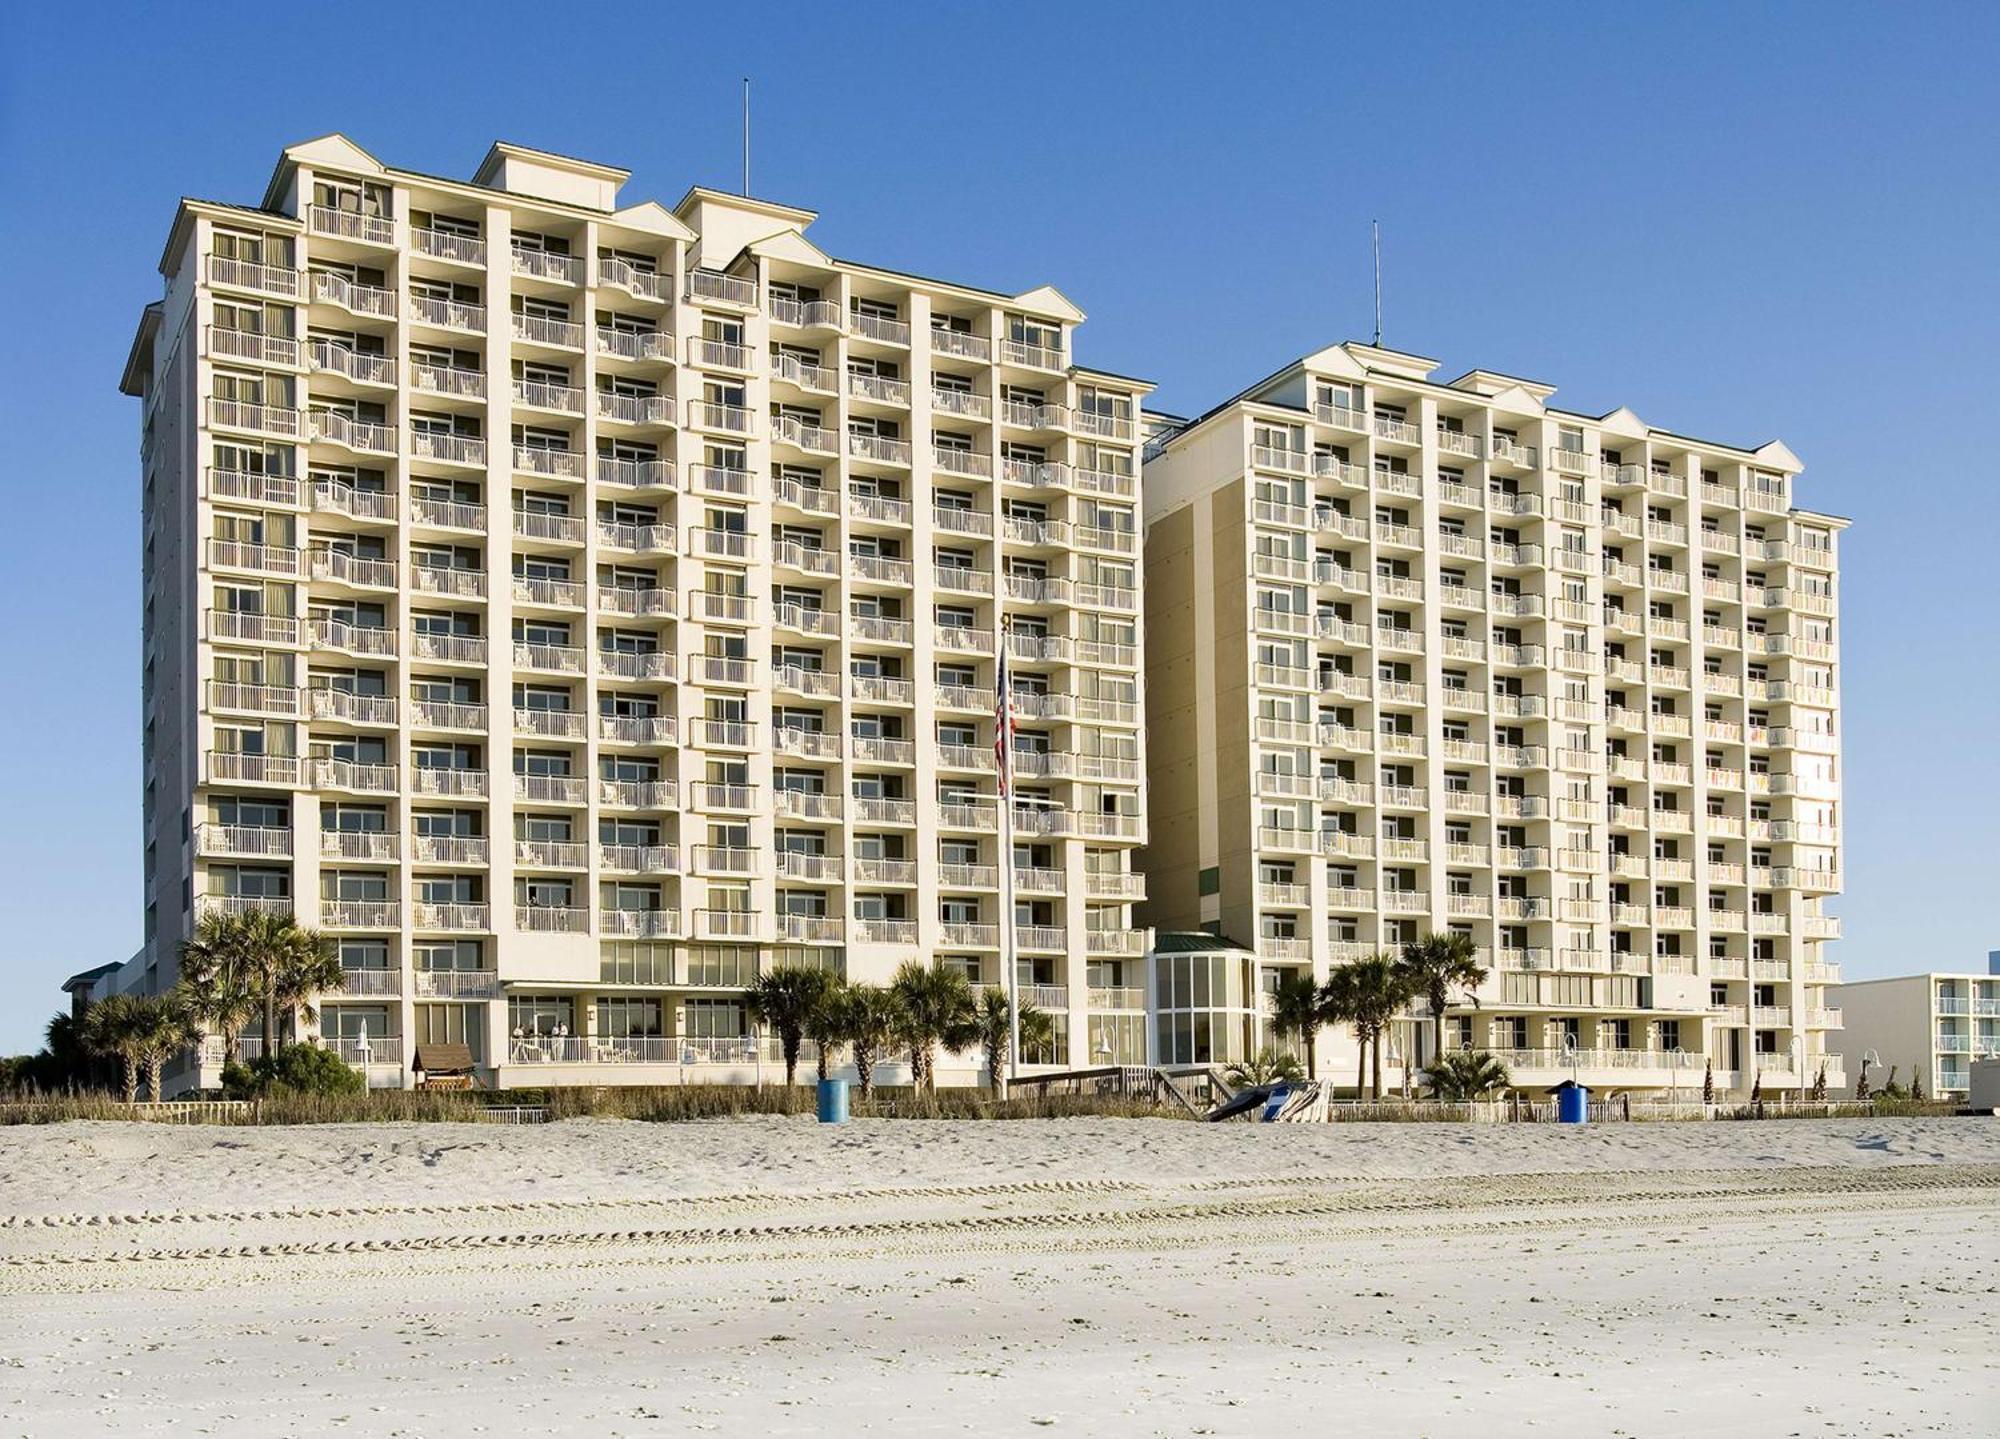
pixel 1745 222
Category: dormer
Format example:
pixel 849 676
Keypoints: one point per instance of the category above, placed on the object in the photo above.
pixel 545 176
pixel 725 225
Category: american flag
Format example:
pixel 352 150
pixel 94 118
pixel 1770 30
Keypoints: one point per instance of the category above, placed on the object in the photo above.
pixel 1003 722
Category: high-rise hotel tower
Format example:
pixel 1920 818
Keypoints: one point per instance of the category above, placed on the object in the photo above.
pixel 1428 655
pixel 573 605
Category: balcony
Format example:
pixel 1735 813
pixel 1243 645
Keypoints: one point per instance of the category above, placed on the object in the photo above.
pixel 547 331
pixel 341 567
pixel 254 346
pixel 636 280
pixel 468 849
pixel 456 984
pixel 629 664
pixel 247 275
pixel 711 286
pixel 347 707
pixel 567 789
pixel 249 415
pixel 345 224
pixel 227 766
pixel 551 919
pixel 452 918
pixel 804 314
pixel 282 700
pixel 335 427
pixel 879 328
pixel 626 344
pixel 242 841
pixel 329 288
pixel 804 435
pixel 448 780
pixel 953 461
pixel 810 928
pixel 639 858
pixel 878 389
pixel 637 474
pixel 448 314
pixel 452 649
pixel 543 395
pixel 328 358
pixel 360 913
pixel 636 729
pixel 807 804
pixel 639 923
pixel 637 539
pixel 658 794
pixel 554 659
pixel 353 775
pixel 329 634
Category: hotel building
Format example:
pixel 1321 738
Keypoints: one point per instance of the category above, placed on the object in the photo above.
pixel 1428 655
pixel 574 606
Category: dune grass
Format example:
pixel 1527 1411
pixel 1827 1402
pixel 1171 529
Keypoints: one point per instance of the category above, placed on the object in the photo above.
pixel 665 1104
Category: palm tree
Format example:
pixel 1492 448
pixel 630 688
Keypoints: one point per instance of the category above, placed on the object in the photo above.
pixel 1434 967
pixel 310 967
pixel 1267 1067
pixel 269 953
pixel 160 1030
pixel 218 983
pixel 1296 1009
pixel 1459 1076
pixel 937 1009
pixel 71 1064
pixel 995 1028
pixel 874 1020
pixel 1366 993
pixel 1038 1034
pixel 785 999
pixel 113 1027
pixel 827 1026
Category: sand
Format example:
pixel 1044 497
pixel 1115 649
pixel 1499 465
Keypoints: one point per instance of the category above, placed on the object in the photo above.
pixel 1093 1277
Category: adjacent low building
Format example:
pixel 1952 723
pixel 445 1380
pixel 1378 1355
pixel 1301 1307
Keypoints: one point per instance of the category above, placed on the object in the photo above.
pixel 1931 1025
pixel 1439 655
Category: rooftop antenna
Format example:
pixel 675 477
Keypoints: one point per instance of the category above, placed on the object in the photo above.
pixel 1376 227
pixel 746 136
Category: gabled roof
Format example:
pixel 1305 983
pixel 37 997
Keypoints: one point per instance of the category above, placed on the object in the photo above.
pixel 1778 455
pixel 85 978
pixel 505 150
pixel 334 150
pixel 788 244
pixel 139 359
pixel 783 214
pixel 1622 421
pixel 1493 382
pixel 1519 397
pixel 654 218
pixel 1050 301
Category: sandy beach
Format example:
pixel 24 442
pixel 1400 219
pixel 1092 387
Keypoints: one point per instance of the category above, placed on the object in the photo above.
pixel 1095 1277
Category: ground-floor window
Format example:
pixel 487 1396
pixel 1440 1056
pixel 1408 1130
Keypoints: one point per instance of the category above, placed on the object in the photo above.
pixel 540 1014
pixel 621 1018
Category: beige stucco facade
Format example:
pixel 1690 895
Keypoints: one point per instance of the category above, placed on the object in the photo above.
pixel 1429 656
pixel 574 605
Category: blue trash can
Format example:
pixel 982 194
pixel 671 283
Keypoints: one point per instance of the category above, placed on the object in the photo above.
pixel 833 1101
pixel 1572 1104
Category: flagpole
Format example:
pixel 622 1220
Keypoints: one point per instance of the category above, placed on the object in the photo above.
pixel 1009 965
